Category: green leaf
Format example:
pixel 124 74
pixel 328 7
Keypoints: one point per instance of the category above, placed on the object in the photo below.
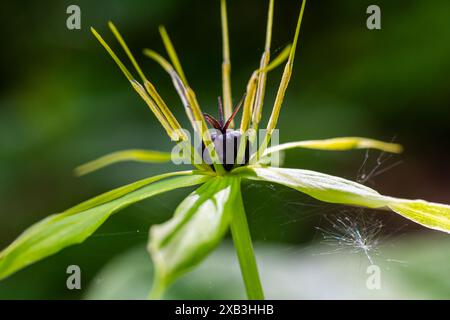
pixel 338 190
pixel 198 225
pixel 76 224
pixel 124 155
pixel 338 144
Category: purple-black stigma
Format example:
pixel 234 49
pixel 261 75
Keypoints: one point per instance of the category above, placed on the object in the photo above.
pixel 226 141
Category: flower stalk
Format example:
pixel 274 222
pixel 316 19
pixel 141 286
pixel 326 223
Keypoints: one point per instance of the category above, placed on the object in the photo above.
pixel 205 216
pixel 246 256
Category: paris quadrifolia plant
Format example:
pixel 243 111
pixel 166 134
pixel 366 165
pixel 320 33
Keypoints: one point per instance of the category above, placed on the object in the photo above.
pixel 222 160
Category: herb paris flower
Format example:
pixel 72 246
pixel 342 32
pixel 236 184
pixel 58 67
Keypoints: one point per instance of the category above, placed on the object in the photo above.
pixel 201 220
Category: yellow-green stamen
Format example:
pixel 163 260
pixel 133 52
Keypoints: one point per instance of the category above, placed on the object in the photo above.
pixel 282 88
pixel 226 63
pixel 172 53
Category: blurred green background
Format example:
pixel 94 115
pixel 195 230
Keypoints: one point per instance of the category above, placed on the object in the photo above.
pixel 63 102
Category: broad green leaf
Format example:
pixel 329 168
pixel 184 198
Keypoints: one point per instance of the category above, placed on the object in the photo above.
pixel 338 190
pixel 338 144
pixel 124 155
pixel 76 224
pixel 196 228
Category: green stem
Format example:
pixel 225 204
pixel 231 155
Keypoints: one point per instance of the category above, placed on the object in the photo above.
pixel 246 256
pixel 157 290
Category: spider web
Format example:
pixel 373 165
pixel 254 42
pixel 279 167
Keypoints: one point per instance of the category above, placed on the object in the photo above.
pixel 343 229
pixel 359 230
